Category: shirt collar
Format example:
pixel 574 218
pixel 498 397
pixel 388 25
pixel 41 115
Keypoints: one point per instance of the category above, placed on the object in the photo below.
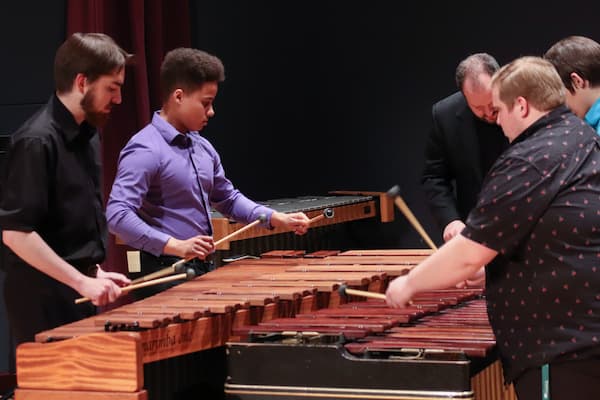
pixel 551 118
pixel 70 130
pixel 171 135
pixel 592 117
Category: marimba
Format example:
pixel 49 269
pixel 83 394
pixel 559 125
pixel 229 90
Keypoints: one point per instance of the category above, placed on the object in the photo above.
pixel 160 343
pixel 348 208
pixel 383 362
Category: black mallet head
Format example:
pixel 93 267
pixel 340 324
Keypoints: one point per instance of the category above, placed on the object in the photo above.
pixel 342 290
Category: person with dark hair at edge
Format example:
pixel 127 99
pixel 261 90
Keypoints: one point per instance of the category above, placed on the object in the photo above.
pixel 577 60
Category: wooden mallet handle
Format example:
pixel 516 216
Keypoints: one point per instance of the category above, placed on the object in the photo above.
pixel 176 267
pixel 261 219
pixel 345 291
pixel 394 192
pixel 189 274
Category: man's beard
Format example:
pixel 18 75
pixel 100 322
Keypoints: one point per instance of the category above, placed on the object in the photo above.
pixel 93 117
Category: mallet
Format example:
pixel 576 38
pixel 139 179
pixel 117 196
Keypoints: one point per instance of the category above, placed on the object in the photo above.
pixel 394 193
pixel 189 274
pixel 327 213
pixel 177 266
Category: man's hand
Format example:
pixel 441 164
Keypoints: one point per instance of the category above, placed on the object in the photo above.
pixel 100 291
pixel 453 229
pixel 195 247
pixel 116 277
pixel 398 293
pixel 297 222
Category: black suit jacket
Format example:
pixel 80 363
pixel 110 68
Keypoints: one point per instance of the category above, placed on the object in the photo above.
pixel 459 151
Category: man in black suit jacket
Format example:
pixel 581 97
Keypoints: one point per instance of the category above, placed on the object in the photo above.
pixel 463 144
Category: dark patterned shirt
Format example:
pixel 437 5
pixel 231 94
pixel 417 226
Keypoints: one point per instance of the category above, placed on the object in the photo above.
pixel 540 209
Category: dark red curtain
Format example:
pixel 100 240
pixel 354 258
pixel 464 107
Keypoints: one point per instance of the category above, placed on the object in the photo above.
pixel 147 29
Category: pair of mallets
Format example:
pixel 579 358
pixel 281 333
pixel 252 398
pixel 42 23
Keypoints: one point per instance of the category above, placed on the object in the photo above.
pixel 177 266
pixel 178 271
pixel 188 274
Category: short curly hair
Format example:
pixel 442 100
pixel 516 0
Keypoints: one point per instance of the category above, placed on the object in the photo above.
pixel 189 69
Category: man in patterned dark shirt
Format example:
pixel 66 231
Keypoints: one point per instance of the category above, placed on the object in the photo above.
pixel 538 215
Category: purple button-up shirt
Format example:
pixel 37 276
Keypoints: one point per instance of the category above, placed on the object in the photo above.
pixel 157 195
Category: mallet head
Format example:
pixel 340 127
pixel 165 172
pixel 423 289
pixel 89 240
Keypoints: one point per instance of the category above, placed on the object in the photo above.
pixel 180 269
pixel 190 274
pixel 394 191
pixel 342 290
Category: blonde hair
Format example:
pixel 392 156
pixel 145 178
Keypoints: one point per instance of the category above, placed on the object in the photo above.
pixel 533 78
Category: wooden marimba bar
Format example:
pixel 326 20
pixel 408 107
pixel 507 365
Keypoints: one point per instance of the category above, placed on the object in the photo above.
pixel 358 319
pixel 464 329
pixel 108 354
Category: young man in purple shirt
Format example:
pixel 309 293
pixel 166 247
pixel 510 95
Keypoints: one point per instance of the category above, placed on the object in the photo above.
pixel 537 217
pixel 169 175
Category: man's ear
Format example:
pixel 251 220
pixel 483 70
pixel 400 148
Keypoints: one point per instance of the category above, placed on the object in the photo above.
pixel 80 82
pixel 522 106
pixel 177 95
pixel 578 82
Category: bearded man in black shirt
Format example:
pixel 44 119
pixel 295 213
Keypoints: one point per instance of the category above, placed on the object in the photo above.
pixel 537 217
pixel 51 208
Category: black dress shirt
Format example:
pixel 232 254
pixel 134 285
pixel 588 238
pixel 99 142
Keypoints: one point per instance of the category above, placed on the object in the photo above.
pixel 540 209
pixel 51 185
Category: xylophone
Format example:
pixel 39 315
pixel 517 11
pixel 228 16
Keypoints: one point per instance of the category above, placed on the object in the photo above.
pixel 174 342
